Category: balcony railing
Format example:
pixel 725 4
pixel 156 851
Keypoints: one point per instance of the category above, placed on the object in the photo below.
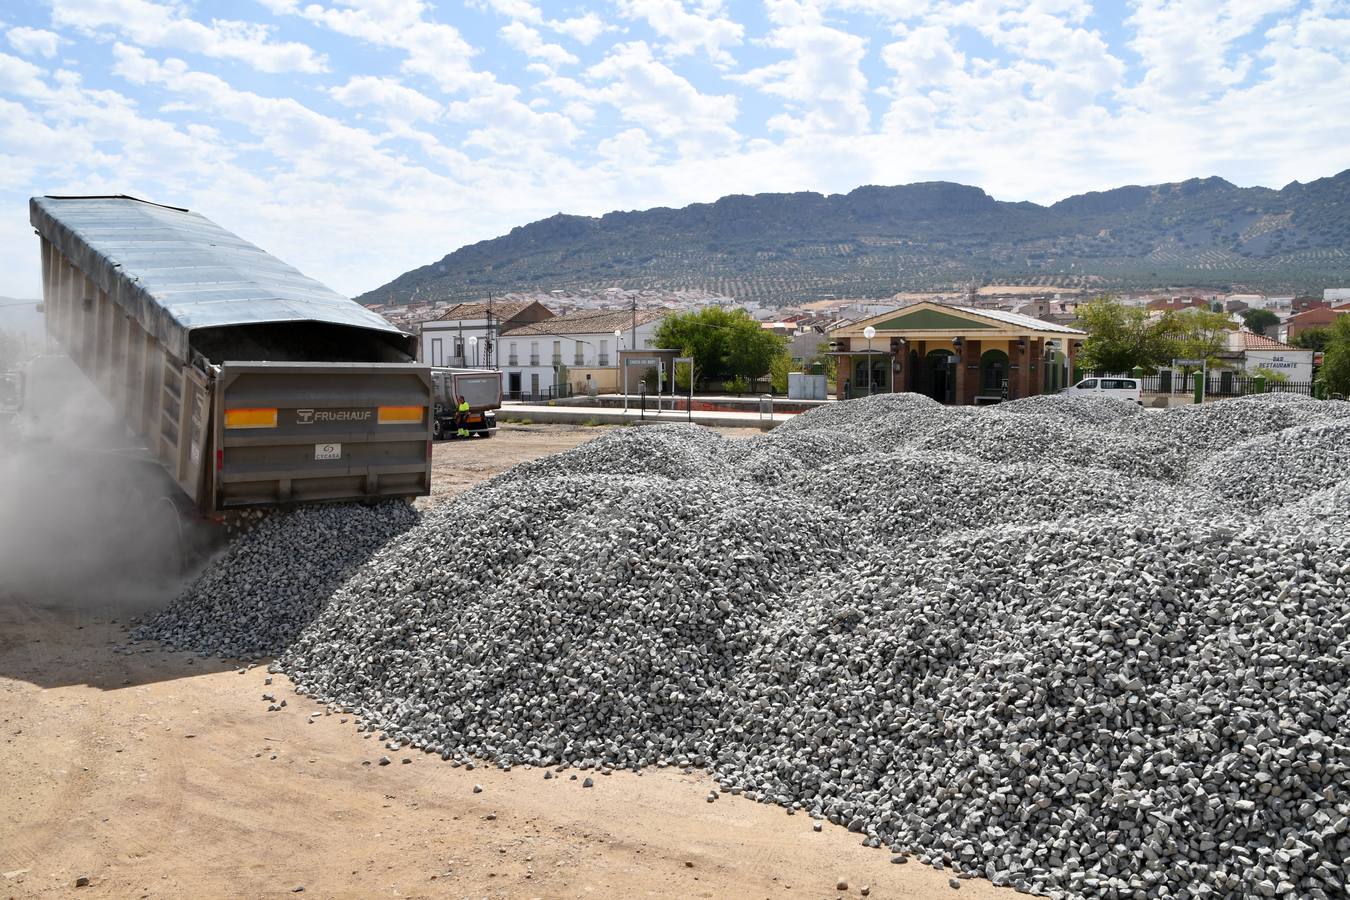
pixel 512 360
pixel 534 359
pixel 557 359
pixel 604 360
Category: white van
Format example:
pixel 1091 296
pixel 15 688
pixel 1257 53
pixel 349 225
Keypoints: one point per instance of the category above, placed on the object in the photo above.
pixel 1119 388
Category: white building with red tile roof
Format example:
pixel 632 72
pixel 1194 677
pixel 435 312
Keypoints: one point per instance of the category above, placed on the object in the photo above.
pixel 1248 350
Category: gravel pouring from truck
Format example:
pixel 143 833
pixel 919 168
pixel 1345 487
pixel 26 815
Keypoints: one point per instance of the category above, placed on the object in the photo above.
pixel 251 384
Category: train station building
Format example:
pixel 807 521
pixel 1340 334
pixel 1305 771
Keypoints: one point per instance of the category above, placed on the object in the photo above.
pixel 954 354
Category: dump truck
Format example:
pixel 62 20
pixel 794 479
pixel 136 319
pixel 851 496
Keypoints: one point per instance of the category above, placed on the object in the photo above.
pixel 481 389
pixel 252 385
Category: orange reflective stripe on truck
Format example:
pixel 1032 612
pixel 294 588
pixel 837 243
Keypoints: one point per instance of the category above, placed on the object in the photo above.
pixel 401 415
pixel 251 418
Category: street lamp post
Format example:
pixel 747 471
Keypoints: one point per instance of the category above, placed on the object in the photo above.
pixel 618 361
pixel 869 332
pixel 473 345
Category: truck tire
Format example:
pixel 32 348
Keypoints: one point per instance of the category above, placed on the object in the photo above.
pixel 437 432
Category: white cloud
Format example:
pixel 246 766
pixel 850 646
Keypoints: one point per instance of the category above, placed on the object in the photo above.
pixel 823 78
pixel 1185 46
pixel 705 29
pixel 631 147
pixel 439 53
pixel 518 10
pixel 583 29
pixel 390 96
pixel 33 41
pixel 527 41
pixel 653 95
pixel 152 24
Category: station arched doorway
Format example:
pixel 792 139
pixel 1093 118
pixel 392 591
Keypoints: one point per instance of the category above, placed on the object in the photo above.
pixel 993 374
pixel 938 376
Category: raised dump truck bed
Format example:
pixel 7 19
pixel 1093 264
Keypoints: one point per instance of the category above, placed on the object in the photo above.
pixel 251 384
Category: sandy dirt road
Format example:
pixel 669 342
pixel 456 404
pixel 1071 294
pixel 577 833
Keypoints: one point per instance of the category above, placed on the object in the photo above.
pixel 160 774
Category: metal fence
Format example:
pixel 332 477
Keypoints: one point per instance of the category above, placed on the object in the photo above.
pixel 1223 383
pixel 552 392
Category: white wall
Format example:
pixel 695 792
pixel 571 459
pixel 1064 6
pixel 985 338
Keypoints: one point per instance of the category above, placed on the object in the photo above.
pixel 436 346
pixel 590 346
pixel 1297 364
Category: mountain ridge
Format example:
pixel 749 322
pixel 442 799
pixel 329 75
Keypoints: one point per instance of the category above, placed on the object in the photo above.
pixel 876 240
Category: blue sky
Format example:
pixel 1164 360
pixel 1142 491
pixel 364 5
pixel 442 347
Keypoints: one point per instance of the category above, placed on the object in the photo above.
pixel 360 138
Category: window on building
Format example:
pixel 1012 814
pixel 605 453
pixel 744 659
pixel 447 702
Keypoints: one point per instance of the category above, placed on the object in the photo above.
pixel 534 353
pixel 648 342
pixel 459 349
pixel 436 352
pixel 578 353
pixel 557 353
pixel 604 352
pixel 511 358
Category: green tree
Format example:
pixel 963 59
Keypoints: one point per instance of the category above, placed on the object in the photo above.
pixel 1335 370
pixel 1121 337
pixel 779 369
pixel 1196 334
pixel 1272 376
pixel 1259 320
pixel 683 373
pixel 724 344
pixel 1312 338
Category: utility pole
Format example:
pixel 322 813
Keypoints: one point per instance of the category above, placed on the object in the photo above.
pixel 491 335
pixel 632 338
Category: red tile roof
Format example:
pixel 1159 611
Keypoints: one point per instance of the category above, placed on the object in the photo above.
pixel 502 310
pixel 595 321
pixel 1250 340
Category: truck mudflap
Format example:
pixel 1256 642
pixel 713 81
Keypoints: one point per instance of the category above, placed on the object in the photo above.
pixel 305 432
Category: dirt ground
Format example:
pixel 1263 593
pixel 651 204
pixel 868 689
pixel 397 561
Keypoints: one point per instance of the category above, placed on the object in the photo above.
pixel 159 774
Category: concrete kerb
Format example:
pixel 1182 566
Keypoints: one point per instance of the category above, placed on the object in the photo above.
pixel 581 415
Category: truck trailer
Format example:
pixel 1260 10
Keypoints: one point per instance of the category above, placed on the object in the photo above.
pixel 251 384
pixel 479 389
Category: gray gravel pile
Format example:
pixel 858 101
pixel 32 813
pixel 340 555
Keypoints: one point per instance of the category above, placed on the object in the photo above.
pixel 594 619
pixel 1263 471
pixel 671 451
pixel 1221 425
pixel 1123 710
pixel 897 496
pixel 1078 409
pixel 271 581
pixel 1324 514
pixel 778 454
pixel 865 412
pixel 1053 644
pixel 1057 440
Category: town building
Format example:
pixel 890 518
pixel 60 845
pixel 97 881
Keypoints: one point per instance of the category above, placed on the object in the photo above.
pixel 955 354
pixel 1314 317
pixel 1248 351
pixel 467 334
pixel 573 353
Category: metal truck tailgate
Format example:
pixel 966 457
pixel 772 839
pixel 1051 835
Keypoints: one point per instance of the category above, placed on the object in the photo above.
pixel 299 432
pixel 483 391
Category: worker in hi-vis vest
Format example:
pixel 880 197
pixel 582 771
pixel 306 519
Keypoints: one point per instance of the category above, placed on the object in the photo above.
pixel 461 418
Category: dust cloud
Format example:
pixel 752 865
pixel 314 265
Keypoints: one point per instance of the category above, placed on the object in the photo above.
pixel 87 519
